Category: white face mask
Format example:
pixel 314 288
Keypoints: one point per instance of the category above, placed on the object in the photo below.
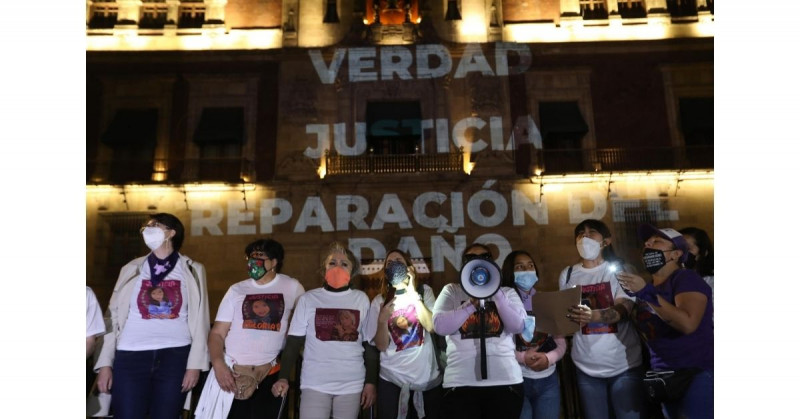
pixel 588 248
pixel 154 237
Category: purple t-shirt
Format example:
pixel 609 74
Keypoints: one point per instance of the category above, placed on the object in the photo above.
pixel 669 348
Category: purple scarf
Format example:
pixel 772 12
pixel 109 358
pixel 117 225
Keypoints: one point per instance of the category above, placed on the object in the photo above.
pixel 160 268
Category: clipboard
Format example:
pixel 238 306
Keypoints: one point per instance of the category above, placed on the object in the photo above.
pixel 550 310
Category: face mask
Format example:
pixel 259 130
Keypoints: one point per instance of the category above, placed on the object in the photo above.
pixel 691 261
pixel 337 277
pixel 525 279
pixel 256 269
pixel 396 272
pixel 588 248
pixel 654 260
pixel 154 237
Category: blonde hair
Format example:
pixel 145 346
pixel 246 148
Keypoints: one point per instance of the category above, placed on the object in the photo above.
pixel 337 247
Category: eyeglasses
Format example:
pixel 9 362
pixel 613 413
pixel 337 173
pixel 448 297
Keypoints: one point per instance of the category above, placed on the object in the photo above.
pixel 154 223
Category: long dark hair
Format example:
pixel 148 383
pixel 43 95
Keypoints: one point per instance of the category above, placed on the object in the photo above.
pixel 705 257
pixel 507 272
pixel 608 251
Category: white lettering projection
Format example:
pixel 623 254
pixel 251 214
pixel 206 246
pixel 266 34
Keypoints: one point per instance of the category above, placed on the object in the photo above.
pixel 432 61
pixel 396 60
pixel 210 222
pixel 575 203
pixel 327 74
pixel 473 60
pixel 236 217
pixel 323 132
pixel 485 208
pixel 269 217
pixel 345 217
pixel 313 214
pixel 391 211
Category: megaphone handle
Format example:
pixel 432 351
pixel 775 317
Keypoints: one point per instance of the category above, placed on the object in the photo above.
pixel 482 333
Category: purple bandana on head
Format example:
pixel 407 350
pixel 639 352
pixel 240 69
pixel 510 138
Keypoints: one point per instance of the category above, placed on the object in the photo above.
pixel 159 268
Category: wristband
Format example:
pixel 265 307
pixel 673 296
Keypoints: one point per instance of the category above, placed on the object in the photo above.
pixel 648 294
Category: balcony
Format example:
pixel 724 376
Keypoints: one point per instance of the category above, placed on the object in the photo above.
pixel 625 159
pixel 393 163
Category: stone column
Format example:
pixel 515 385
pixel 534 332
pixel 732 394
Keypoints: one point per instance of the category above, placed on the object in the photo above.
pixel 703 12
pixel 613 13
pixel 215 14
pixel 571 14
pixel 128 12
pixel 657 12
pixel 173 14
pixel 88 11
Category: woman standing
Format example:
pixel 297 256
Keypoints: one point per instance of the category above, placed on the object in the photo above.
pixel 606 350
pixel 536 352
pixel 409 380
pixel 701 256
pixel 674 314
pixel 150 360
pixel 455 316
pixel 339 369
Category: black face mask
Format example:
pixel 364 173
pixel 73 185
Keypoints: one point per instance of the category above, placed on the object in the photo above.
pixel 691 261
pixel 654 260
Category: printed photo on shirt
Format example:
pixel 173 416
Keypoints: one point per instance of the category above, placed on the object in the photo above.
pixel 160 302
pixel 262 312
pixel 541 342
pixel 493 326
pixel 338 324
pixel 600 297
pixel 405 329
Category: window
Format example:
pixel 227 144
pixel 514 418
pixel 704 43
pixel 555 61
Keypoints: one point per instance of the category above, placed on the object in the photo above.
pixel 192 14
pixel 219 137
pixel 563 128
pixel 697 126
pixel 331 15
pixel 154 15
pixel 103 14
pixel 631 9
pixel 593 9
pixel 132 137
pixel 682 8
pixel 393 127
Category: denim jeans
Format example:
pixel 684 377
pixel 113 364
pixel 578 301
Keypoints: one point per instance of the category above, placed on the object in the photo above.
pixel 620 396
pixel 697 403
pixel 148 381
pixel 542 398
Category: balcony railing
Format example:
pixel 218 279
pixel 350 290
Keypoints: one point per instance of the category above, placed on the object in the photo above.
pixel 393 163
pixel 620 159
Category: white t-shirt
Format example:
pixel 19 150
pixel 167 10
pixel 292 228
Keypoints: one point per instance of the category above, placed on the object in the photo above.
pixel 259 318
pixel 94 317
pixel 409 358
pixel 463 346
pixel 333 324
pixel 157 318
pixel 599 349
